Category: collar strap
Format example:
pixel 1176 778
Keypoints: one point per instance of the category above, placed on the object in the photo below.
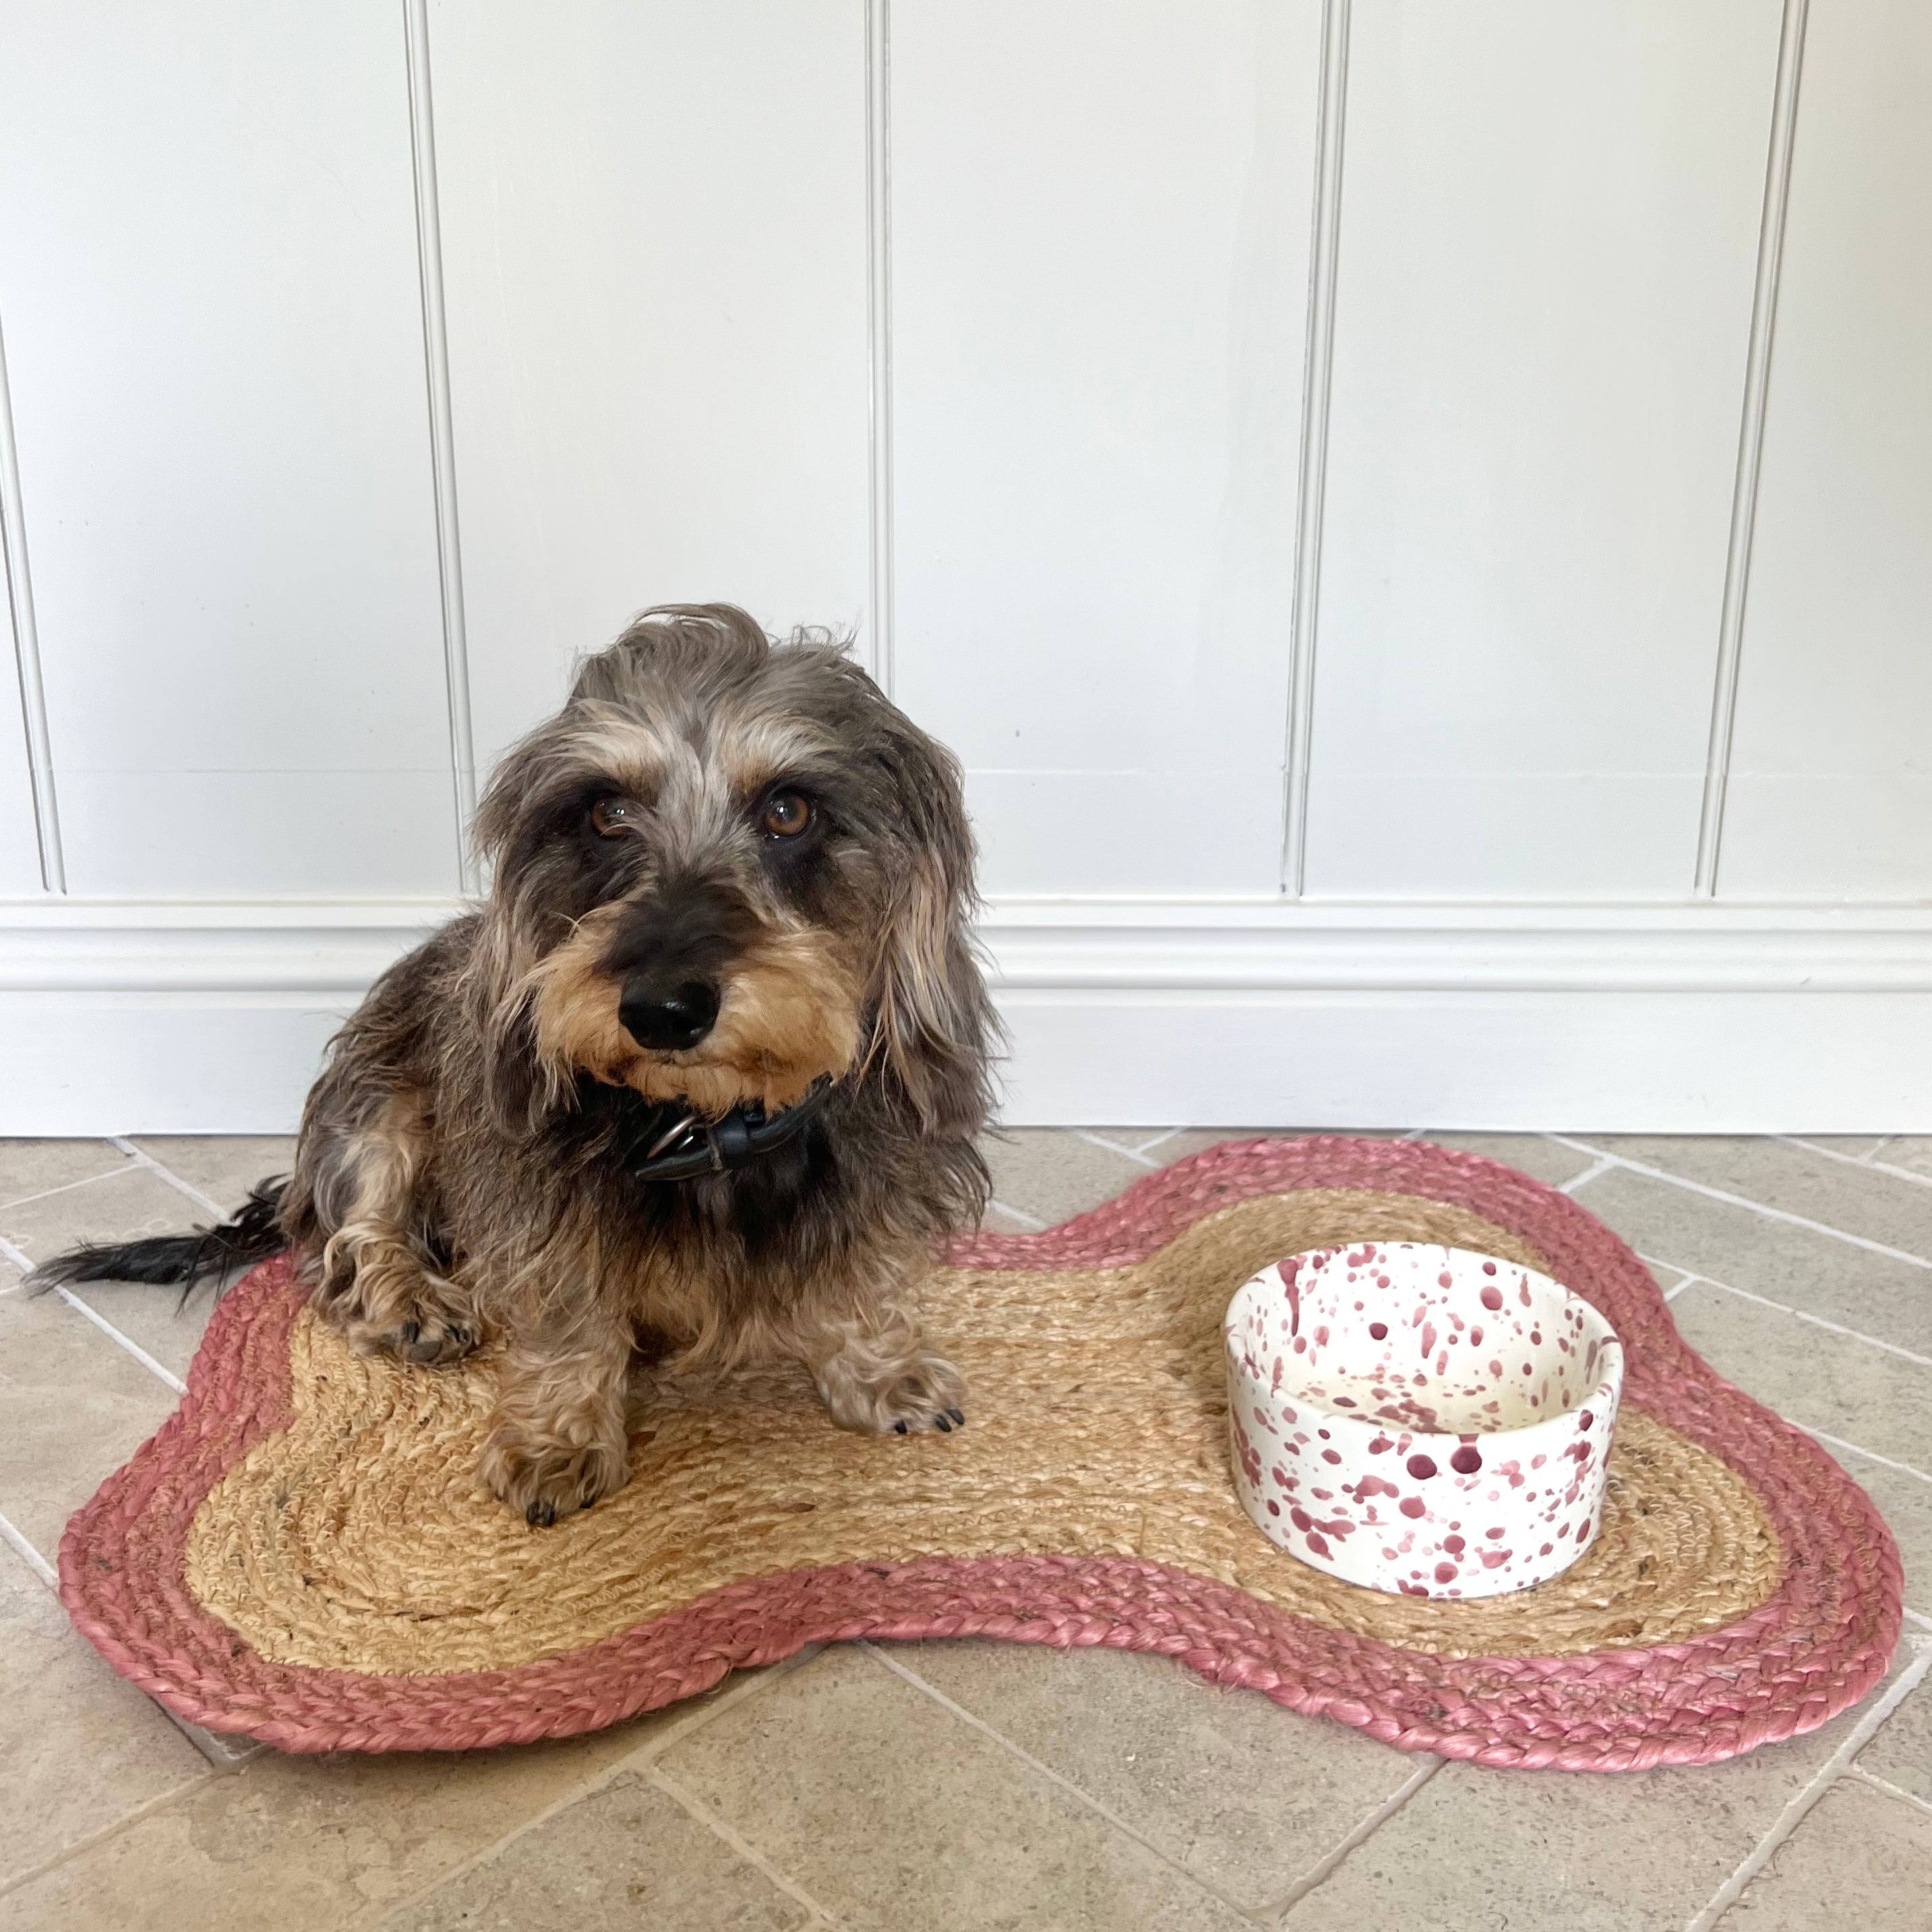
pixel 745 1134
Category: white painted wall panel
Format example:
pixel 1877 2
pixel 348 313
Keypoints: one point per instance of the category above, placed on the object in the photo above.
pixel 1830 794
pixel 1548 231
pixel 1100 228
pixel 655 258
pixel 19 849
pixel 208 273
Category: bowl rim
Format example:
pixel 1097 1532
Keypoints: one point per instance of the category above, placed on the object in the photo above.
pixel 1603 1398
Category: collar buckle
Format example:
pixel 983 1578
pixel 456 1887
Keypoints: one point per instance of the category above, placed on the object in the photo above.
pixel 691 1147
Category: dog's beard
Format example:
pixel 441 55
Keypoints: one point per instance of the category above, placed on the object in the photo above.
pixel 790 1016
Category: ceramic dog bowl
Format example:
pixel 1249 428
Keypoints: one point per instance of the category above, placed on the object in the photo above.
pixel 1421 1419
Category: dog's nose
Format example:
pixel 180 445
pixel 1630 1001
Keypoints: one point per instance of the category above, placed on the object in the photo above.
pixel 670 1022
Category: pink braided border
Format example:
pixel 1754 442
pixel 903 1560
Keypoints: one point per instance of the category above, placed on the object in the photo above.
pixel 1822 1642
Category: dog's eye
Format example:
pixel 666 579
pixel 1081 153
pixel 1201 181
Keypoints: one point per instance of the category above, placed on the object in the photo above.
pixel 787 813
pixel 611 816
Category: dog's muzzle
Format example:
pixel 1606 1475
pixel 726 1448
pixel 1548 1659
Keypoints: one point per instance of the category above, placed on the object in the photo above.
pixel 668 1019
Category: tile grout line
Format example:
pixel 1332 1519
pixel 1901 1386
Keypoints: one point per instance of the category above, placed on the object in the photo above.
pixel 661 1779
pixel 29 1555
pixel 1857 1775
pixel 1126 1153
pixel 113 1334
pixel 1604 1165
pixel 1919 1618
pixel 1046 1771
pixel 1165 1134
pixel 1897 1173
pixel 1820 1322
pixel 1693 1280
pixel 21 1260
pixel 1866 1163
pixel 1366 1828
pixel 1871 1456
pixel 68 1186
pixel 1744 1201
pixel 1794 1813
pixel 94 1840
pixel 1018 1214
pixel 1851 1334
pixel 632 1761
pixel 174 1180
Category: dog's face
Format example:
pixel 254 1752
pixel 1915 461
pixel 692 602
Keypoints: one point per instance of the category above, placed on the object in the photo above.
pixel 725 871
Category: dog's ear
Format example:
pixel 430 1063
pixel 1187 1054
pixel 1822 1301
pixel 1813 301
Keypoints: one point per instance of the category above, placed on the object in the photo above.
pixel 500 1004
pixel 933 1025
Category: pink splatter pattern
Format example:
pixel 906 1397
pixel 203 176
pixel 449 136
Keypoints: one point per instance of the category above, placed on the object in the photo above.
pixel 1456 1410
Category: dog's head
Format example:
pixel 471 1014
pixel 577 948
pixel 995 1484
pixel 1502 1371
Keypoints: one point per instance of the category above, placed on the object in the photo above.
pixel 725 870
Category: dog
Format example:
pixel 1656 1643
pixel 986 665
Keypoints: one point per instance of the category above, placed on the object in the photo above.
pixel 703 1076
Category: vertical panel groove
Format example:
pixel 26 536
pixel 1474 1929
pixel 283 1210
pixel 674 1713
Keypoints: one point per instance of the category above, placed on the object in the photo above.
pixel 27 647
pixel 442 443
pixel 1750 445
pixel 1318 362
pixel 879 332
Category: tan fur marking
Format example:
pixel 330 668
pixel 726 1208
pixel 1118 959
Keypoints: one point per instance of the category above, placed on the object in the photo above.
pixel 790 1014
pixel 373 1277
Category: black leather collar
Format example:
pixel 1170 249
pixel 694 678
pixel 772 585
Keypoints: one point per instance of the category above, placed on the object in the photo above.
pixel 694 1147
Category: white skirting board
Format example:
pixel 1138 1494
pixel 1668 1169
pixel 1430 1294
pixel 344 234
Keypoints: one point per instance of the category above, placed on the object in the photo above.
pixel 208 1018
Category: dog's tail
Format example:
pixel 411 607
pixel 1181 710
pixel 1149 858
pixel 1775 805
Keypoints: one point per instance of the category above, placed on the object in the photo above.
pixel 252 1234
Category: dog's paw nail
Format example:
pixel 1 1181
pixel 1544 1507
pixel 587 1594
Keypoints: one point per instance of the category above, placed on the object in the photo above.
pixel 901 1428
pixel 958 1418
pixel 412 1331
pixel 940 1423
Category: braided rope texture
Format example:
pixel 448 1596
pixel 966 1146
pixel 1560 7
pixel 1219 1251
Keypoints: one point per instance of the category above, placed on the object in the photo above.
pixel 1743 1590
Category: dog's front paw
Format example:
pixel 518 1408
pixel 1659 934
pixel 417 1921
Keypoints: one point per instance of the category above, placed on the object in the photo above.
pixel 546 1479
pixel 428 1339
pixel 924 1391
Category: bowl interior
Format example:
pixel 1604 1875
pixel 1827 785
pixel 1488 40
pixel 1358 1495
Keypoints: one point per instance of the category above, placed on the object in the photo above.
pixel 1431 1339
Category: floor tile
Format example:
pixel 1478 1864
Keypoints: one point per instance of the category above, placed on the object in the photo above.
pixel 1912 1152
pixel 32 1167
pixel 1892 1300
pixel 625 1857
pixel 1859 1862
pixel 1247 1796
pixel 1548 1161
pixel 225 1167
pixel 997 1221
pixel 157 1319
pixel 302 1843
pixel 79 1749
pixel 1901 1753
pixel 1853 1146
pixel 121 1208
pixel 73 1407
pixel 1638 1852
pixel 1858 1200
pixel 1862 1395
pixel 117 1208
pixel 891 1812
pixel 1052 1175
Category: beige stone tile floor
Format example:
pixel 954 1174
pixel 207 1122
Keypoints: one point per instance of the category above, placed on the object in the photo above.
pixel 970 1785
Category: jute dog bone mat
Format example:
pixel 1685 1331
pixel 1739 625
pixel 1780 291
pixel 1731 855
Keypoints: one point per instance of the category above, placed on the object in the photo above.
pixel 302 1552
